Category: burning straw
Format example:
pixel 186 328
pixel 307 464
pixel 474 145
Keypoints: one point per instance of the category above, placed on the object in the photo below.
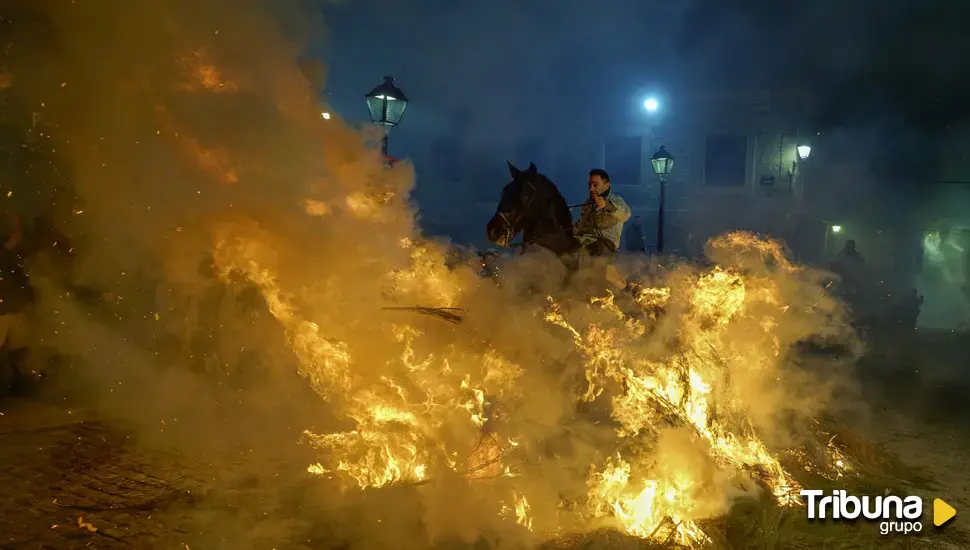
pixel 687 438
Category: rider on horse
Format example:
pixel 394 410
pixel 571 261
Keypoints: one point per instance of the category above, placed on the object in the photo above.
pixel 532 205
pixel 601 221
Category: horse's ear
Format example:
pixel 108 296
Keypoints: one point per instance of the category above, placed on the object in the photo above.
pixel 513 171
pixel 532 168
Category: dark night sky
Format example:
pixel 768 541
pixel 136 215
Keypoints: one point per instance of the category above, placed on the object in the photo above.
pixel 870 63
pixel 890 68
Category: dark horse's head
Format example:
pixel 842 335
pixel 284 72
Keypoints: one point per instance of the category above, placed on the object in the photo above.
pixel 533 206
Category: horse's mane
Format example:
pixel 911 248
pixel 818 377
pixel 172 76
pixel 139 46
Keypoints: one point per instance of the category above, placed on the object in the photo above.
pixel 560 207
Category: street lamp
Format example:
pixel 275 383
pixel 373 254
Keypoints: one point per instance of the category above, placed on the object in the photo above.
pixel 651 104
pixel 662 163
pixel 804 151
pixel 830 231
pixel 386 104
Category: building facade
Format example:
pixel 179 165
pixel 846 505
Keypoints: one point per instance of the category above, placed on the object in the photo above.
pixel 736 167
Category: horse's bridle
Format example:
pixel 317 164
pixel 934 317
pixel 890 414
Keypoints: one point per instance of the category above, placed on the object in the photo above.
pixel 510 221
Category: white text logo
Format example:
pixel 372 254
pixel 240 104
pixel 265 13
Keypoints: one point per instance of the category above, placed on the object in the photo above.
pixel 895 514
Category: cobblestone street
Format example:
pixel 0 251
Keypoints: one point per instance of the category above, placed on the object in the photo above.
pixel 77 485
pixel 73 480
pixel 76 482
pixel 69 480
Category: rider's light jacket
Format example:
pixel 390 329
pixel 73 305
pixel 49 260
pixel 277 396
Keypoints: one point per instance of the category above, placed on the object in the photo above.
pixel 606 224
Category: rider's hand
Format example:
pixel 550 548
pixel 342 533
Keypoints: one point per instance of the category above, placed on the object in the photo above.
pixel 599 201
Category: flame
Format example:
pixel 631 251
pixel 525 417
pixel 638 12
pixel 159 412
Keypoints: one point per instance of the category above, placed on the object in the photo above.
pixel 522 511
pixel 435 408
pixel 679 388
pixel 645 508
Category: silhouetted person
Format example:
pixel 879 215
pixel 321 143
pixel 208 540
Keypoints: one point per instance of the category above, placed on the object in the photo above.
pixel 850 254
pixel 850 264
pixel 851 267
pixel 635 241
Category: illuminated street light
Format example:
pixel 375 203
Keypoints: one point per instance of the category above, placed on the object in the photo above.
pixel 386 104
pixel 651 105
pixel 663 163
pixel 830 232
pixel 325 115
pixel 803 152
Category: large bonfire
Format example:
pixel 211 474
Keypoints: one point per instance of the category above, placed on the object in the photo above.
pixel 666 361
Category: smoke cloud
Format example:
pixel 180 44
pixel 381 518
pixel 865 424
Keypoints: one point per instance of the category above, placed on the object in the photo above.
pixel 234 239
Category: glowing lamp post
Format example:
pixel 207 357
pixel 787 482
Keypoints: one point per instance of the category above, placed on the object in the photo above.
pixel 804 151
pixel 662 163
pixel 831 230
pixel 386 104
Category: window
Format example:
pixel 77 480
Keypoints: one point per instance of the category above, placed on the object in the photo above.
pixel 725 161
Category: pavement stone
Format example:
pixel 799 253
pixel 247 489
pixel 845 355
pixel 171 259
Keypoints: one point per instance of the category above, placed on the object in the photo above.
pixel 72 479
pixel 75 479
pixel 78 485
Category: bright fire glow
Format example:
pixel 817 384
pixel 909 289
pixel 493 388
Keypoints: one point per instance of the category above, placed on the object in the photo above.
pixel 450 407
pixel 647 411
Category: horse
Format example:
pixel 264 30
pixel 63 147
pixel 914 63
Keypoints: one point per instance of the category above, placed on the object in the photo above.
pixel 531 204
